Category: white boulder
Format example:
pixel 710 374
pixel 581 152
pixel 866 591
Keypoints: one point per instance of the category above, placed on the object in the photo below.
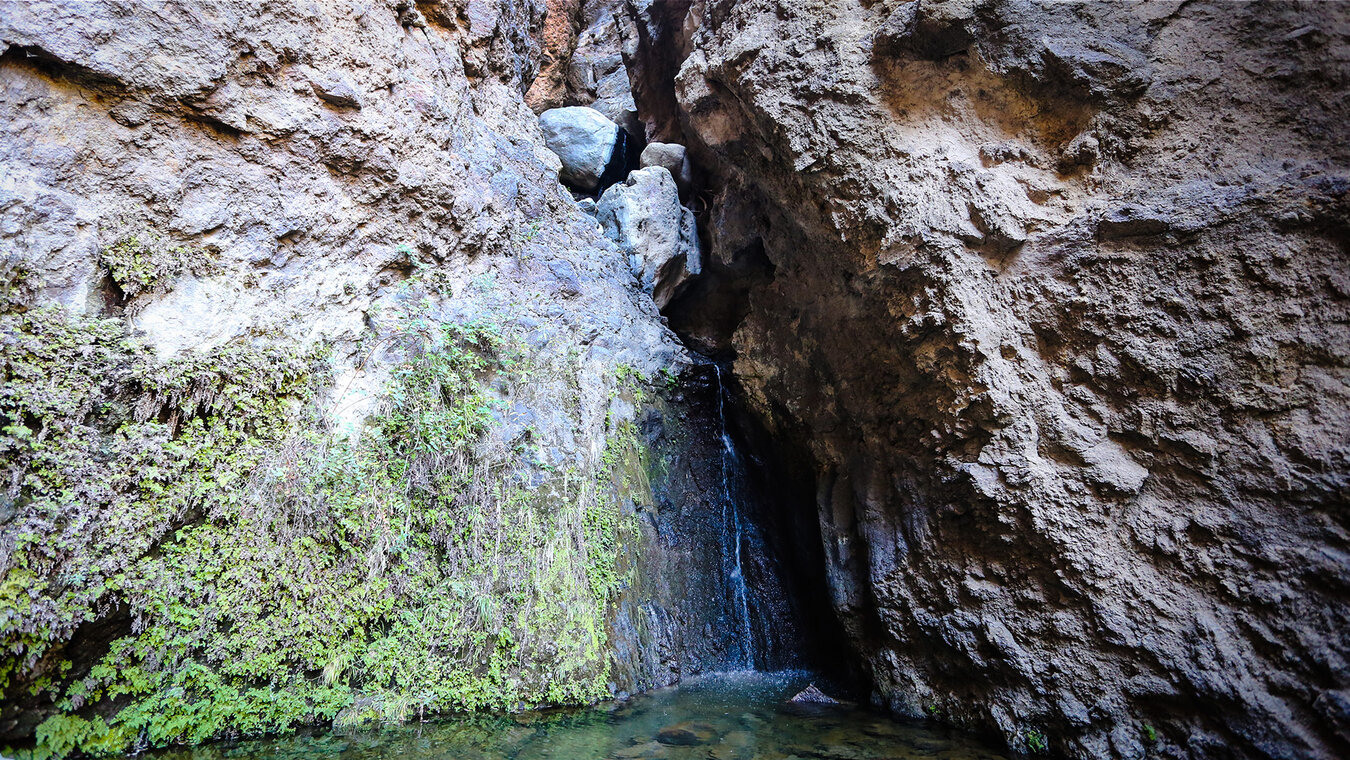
pixel 584 140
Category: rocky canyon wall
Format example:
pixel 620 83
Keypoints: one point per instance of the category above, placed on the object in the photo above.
pixel 323 401
pixel 1054 298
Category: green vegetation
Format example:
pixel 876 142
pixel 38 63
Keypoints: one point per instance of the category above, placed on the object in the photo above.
pixel 1037 742
pixel 145 264
pixel 1149 733
pixel 274 574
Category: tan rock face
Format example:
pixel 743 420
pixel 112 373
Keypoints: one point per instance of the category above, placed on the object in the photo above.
pixel 1057 307
pixel 559 37
pixel 1044 306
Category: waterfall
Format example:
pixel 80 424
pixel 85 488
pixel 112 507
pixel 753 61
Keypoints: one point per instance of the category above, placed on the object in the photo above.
pixel 733 543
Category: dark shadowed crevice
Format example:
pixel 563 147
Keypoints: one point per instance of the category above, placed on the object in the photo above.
pixel 782 479
pixel 662 45
pixel 626 157
pixel 21 711
pixel 708 312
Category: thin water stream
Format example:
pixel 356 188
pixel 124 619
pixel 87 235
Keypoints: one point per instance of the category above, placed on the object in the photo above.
pixel 738 713
pixel 733 540
pixel 742 715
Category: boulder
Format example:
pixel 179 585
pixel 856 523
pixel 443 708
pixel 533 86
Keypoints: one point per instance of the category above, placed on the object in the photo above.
pixel 813 696
pixel 646 751
pixel 674 158
pixel 584 140
pixel 659 236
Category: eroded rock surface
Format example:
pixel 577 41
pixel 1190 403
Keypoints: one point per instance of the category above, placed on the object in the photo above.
pixel 1039 312
pixel 311 366
pixel 583 60
pixel 1054 298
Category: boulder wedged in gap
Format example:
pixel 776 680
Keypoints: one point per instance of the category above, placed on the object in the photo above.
pixel 584 140
pixel 674 158
pixel 644 216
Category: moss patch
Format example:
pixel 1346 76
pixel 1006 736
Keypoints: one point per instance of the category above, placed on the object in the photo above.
pixel 146 264
pixel 276 575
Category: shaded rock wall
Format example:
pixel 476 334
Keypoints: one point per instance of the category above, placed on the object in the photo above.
pixel 1055 297
pixel 689 615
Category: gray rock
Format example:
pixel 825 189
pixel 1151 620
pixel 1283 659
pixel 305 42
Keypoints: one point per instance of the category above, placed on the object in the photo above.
pixel 615 100
pixel 584 140
pixel 813 695
pixel 1132 220
pixel 674 158
pixel 336 89
pixel 659 236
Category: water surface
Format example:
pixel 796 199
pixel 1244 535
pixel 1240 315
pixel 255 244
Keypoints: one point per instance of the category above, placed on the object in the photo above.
pixel 724 716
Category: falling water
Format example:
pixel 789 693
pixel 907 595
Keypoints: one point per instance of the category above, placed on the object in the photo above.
pixel 733 542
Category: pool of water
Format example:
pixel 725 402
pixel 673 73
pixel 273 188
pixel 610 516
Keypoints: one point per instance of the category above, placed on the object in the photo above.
pixel 724 716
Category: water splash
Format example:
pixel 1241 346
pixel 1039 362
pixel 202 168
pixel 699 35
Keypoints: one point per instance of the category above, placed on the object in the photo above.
pixel 733 541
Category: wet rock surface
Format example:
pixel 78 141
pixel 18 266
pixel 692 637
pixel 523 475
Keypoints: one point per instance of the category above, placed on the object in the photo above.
pixel 813 695
pixel 687 734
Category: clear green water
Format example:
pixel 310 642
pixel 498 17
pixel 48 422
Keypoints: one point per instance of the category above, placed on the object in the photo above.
pixel 727 716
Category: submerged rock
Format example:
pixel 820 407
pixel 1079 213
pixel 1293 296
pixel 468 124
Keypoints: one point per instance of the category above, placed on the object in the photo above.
pixel 584 140
pixel 687 734
pixel 645 751
pixel 644 216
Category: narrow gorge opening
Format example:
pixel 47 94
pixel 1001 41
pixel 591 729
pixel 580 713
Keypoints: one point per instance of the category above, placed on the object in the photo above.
pixel 757 502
